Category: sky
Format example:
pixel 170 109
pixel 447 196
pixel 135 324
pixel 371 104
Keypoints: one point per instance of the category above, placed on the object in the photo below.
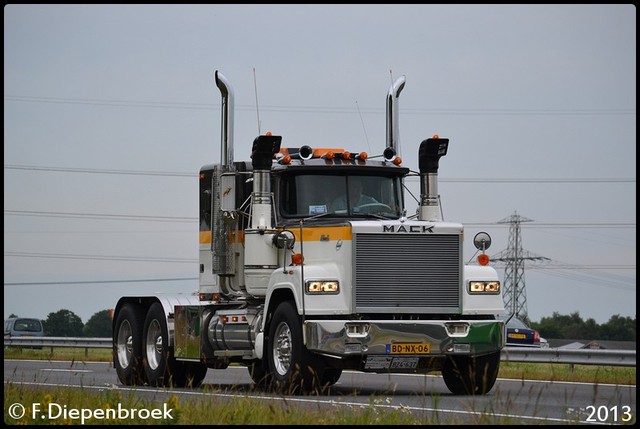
pixel 111 110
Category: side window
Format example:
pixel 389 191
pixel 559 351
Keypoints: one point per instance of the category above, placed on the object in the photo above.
pixel 205 200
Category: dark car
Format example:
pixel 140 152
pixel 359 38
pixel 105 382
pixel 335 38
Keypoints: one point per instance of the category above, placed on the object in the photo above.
pixel 519 334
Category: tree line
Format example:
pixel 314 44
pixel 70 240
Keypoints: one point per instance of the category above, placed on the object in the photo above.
pixel 65 323
pixel 573 327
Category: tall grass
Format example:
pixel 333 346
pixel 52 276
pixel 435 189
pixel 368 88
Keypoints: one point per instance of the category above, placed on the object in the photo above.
pixel 131 409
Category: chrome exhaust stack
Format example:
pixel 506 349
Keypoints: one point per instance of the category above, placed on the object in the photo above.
pixel 226 147
pixel 393 133
pixel 223 207
pixel 428 156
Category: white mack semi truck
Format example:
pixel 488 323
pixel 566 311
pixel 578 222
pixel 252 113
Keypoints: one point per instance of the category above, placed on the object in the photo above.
pixel 300 279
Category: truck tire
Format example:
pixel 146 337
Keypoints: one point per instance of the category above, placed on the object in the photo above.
pixel 127 345
pixel 160 367
pixel 293 369
pixel 465 375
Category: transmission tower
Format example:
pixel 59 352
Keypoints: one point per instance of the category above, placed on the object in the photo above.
pixel 514 293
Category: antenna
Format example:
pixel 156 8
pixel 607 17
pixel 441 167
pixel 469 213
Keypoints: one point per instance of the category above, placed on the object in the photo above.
pixel 255 85
pixel 363 127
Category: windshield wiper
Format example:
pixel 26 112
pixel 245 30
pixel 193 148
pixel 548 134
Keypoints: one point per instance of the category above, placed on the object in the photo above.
pixel 375 215
pixel 318 216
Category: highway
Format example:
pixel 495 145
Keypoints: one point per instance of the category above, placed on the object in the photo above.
pixel 515 401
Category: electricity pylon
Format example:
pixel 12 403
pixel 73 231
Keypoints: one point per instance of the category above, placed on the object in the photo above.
pixel 514 292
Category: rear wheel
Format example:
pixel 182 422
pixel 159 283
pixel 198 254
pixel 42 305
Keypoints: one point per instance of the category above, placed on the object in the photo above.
pixel 465 375
pixel 127 345
pixel 293 368
pixel 160 366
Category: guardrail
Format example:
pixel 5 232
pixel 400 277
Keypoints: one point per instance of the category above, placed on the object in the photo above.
pixel 68 342
pixel 570 356
pixel 509 354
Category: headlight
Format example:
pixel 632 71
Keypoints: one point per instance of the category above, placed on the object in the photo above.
pixel 322 287
pixel 490 288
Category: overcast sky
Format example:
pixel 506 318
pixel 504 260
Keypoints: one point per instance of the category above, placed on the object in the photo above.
pixel 111 110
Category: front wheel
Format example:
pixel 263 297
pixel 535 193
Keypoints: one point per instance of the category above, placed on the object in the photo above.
pixel 293 369
pixel 467 375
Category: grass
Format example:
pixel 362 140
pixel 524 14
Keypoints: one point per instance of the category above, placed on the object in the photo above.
pixel 129 408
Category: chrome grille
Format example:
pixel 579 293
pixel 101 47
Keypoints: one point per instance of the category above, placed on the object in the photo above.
pixel 407 273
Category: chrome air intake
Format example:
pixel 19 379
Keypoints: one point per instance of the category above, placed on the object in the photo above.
pixel 428 156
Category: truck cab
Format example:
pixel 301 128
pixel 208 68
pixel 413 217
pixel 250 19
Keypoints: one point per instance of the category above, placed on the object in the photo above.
pixel 310 265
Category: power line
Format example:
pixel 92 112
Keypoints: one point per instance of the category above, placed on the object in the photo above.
pixel 410 178
pixel 538 180
pixel 315 109
pixel 596 278
pixel 101 257
pixel 98 171
pixel 73 215
pixel 98 281
pixel 545 225
pixel 564 266
pixel 101 216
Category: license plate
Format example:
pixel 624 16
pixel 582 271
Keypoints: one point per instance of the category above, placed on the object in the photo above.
pixel 518 336
pixel 404 363
pixel 408 349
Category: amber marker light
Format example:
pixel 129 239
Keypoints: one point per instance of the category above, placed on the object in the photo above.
pixel 208 297
pixel 483 259
pixel 397 160
pixel 296 259
pixel 363 155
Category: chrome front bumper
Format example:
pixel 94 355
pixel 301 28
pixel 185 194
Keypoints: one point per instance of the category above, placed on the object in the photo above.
pixel 424 338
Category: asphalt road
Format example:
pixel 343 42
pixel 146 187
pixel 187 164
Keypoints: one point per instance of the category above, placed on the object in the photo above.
pixel 516 401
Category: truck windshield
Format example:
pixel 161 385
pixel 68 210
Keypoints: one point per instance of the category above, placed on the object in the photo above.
pixel 306 195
